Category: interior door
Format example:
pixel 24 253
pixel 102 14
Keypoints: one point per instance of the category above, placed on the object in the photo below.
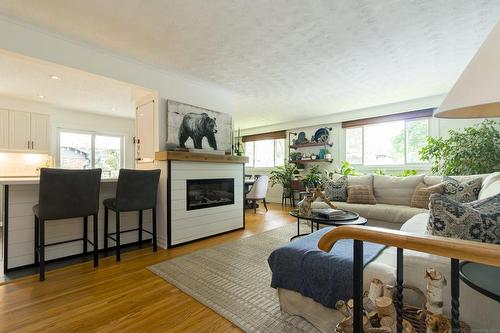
pixel 4 129
pixel 39 132
pixel 19 130
pixel 144 133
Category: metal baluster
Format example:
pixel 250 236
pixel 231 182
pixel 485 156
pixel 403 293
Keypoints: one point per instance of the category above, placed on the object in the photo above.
pixel 399 290
pixel 455 294
pixel 358 287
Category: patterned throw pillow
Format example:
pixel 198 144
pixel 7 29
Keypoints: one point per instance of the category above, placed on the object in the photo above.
pixel 462 192
pixel 360 194
pixel 477 221
pixel 420 198
pixel 336 190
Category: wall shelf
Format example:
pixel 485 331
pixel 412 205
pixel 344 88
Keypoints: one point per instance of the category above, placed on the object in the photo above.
pixel 310 161
pixel 311 145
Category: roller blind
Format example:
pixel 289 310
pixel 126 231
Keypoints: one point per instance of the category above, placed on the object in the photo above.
pixel 424 113
pixel 264 136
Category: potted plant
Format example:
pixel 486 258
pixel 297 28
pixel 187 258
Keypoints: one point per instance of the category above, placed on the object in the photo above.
pixel 474 150
pixel 283 175
pixel 313 178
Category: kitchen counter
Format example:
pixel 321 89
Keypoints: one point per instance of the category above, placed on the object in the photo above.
pixel 36 180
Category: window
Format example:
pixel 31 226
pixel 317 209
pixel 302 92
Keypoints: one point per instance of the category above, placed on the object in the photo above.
pixel 389 143
pixel 86 150
pixel 265 153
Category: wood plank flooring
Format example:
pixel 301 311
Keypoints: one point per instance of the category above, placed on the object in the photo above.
pixel 120 297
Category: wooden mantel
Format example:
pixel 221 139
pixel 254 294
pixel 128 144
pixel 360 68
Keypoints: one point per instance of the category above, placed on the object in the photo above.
pixel 197 157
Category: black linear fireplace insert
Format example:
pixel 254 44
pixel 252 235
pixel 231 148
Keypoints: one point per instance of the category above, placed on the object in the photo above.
pixel 205 193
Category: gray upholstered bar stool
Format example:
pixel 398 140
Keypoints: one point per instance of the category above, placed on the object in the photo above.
pixel 65 194
pixel 136 191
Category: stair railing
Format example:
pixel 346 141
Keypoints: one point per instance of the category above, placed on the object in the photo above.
pixel 482 253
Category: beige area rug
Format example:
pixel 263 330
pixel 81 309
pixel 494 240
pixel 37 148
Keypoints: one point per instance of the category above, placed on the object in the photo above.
pixel 234 280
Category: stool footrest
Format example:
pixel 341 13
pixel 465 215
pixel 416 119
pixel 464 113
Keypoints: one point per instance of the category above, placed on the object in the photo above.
pixel 64 242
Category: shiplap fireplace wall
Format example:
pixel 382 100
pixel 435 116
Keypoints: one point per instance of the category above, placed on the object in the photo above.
pixel 184 224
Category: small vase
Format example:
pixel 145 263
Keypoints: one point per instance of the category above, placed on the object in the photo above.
pixel 305 205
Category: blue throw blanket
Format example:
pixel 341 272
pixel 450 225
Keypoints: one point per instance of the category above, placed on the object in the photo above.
pixel 325 277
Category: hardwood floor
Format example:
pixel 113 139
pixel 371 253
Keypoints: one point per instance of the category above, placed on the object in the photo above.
pixel 120 297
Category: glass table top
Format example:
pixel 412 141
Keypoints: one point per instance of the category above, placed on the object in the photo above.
pixel 483 278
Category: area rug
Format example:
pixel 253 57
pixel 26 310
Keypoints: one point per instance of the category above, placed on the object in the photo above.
pixel 234 280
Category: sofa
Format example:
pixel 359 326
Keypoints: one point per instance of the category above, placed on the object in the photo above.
pixel 479 311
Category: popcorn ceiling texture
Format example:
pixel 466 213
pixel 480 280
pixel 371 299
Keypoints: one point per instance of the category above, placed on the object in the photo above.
pixel 285 59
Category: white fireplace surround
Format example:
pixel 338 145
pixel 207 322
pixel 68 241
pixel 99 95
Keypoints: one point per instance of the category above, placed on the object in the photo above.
pixel 185 226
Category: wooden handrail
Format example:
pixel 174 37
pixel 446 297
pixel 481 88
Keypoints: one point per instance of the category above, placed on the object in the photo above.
pixel 483 253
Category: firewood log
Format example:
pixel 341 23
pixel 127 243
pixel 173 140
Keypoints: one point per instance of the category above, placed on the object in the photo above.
pixel 350 304
pixel 407 327
pixel 368 305
pixel 435 284
pixel 346 324
pixel 374 319
pixel 437 323
pixel 388 291
pixel 342 307
pixel 387 321
pixel 385 307
pixel 376 289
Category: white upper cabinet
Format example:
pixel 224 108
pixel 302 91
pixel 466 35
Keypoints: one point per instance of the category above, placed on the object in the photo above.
pixel 39 132
pixel 19 130
pixel 4 129
pixel 24 131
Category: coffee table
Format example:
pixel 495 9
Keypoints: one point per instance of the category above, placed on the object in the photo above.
pixel 349 218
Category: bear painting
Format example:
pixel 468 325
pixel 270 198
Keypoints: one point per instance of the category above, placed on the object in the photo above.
pixel 194 127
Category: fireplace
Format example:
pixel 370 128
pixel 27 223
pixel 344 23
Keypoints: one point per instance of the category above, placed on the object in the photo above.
pixel 205 193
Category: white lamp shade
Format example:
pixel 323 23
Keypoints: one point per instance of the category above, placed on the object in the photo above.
pixel 476 94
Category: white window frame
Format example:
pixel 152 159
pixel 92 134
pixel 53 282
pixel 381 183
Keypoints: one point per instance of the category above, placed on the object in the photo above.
pixel 388 166
pixel 92 144
pixel 274 155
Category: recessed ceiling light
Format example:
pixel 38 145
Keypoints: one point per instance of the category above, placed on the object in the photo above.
pixel 41 96
pixel 55 77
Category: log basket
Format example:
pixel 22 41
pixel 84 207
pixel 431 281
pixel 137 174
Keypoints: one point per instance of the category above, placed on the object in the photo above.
pixel 414 314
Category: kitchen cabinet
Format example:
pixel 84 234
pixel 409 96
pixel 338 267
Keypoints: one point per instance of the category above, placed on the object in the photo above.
pixel 24 131
pixel 19 130
pixel 39 130
pixel 4 129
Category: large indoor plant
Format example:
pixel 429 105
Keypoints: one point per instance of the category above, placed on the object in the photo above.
pixel 474 150
pixel 313 178
pixel 283 175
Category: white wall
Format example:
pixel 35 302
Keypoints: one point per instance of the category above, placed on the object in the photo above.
pixel 77 120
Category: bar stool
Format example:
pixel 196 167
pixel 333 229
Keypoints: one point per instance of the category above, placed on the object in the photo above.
pixel 65 194
pixel 136 191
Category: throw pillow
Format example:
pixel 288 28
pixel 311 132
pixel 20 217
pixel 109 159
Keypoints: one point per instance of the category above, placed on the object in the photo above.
pixel 462 192
pixel 336 190
pixel 420 198
pixel 477 221
pixel 360 194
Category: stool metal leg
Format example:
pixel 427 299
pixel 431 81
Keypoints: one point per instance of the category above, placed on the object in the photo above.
pixel 106 218
pixel 140 228
pixel 155 245
pixel 96 242
pixel 85 234
pixel 41 250
pixel 37 240
pixel 117 235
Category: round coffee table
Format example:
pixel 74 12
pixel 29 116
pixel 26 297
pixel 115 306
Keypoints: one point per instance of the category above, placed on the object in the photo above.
pixel 349 218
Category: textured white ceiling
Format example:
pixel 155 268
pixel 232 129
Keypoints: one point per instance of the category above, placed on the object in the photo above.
pixel 288 59
pixel 27 78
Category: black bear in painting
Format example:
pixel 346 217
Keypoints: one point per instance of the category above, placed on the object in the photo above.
pixel 197 126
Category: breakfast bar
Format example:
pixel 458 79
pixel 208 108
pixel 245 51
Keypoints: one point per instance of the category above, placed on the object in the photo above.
pixel 20 194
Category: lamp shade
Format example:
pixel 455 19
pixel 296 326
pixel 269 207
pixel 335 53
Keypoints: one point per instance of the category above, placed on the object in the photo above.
pixel 476 94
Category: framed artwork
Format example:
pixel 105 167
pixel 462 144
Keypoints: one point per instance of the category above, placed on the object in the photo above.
pixel 190 126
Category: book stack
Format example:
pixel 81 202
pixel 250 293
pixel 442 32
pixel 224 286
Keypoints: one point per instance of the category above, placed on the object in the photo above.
pixel 328 212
